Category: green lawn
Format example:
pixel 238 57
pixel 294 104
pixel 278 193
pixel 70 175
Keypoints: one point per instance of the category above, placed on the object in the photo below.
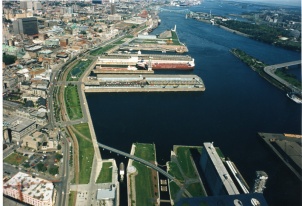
pixel 102 50
pixel 219 152
pixel 174 171
pixel 72 102
pixel 15 159
pixel 196 190
pixel 106 173
pixel 83 129
pixel 86 155
pixel 173 189
pixel 290 78
pixel 184 159
pixel 71 201
pixel 175 38
pixel 77 70
pixel 144 183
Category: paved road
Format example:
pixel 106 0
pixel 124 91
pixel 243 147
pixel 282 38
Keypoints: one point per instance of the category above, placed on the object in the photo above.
pixel 270 70
pixel 63 189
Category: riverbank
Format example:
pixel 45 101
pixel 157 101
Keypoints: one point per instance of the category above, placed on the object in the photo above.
pixel 263 70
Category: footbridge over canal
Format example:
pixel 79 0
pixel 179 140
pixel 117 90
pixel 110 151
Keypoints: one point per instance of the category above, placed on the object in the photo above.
pixel 163 172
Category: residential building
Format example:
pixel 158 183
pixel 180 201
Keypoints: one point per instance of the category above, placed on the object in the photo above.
pixel 33 191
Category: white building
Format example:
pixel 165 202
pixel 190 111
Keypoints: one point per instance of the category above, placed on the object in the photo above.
pixel 33 191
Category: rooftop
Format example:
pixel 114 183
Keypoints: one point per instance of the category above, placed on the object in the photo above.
pixel 35 187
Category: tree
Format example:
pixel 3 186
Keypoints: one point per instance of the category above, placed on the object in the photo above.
pixel 53 170
pixel 9 59
pixel 59 147
pixel 41 167
pixel 58 156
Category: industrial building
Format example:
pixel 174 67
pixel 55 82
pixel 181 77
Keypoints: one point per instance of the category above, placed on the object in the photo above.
pixel 107 194
pixel 33 191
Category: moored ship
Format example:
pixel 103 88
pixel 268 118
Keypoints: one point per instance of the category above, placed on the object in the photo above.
pixel 122 171
pixel 166 65
pixel 177 66
pixel 295 97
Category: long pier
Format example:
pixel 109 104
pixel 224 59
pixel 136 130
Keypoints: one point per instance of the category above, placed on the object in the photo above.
pixel 163 172
pixel 270 70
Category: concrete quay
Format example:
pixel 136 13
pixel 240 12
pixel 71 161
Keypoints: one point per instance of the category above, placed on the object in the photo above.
pixel 270 70
pixel 287 148
pixel 144 83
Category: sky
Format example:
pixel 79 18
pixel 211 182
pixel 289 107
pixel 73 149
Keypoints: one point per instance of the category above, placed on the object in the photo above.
pixel 283 2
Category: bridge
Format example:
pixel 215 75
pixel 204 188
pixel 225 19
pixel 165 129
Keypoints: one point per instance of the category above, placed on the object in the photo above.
pixel 270 70
pixel 181 11
pixel 140 160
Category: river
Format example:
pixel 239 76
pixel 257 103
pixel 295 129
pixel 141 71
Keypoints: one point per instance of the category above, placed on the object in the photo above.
pixel 236 105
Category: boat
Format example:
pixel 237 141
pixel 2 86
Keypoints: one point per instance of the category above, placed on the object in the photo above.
pixel 142 65
pixel 176 66
pixel 295 97
pixel 122 171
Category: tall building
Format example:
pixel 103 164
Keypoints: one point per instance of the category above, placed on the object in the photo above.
pixel 27 26
pixel 112 8
pixel 216 174
pixel 23 4
pixel 37 5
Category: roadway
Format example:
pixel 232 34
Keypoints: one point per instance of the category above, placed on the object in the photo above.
pixel 62 189
pixel 270 70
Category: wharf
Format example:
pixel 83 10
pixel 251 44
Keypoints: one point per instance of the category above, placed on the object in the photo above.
pixel 288 148
pixel 144 83
pixel 121 71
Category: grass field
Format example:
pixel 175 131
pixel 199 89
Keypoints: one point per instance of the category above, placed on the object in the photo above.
pixel 15 159
pixel 196 190
pixel 71 201
pixel 106 173
pixel 101 50
pixel 184 159
pixel 174 171
pixel 72 103
pixel 83 129
pixel 175 38
pixel 173 189
pixel 76 72
pixel 144 184
pixel 86 154
pixel 290 78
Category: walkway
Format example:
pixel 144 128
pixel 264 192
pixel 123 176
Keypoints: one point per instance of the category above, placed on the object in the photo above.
pixel 138 160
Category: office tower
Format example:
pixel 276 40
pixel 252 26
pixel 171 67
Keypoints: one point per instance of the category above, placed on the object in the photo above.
pixel 27 26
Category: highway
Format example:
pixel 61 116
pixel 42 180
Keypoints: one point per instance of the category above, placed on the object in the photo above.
pixel 270 70
pixel 163 172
